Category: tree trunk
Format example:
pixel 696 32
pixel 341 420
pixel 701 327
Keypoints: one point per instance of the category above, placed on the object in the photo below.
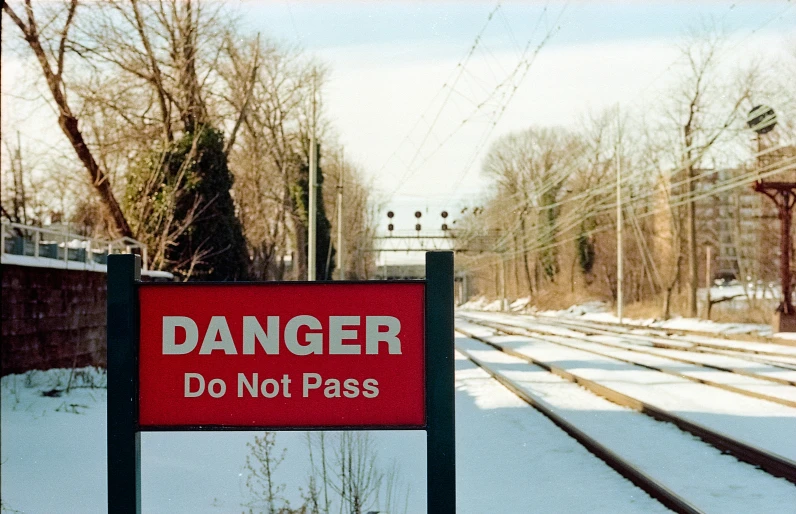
pixel 66 120
pixel 527 264
pixel 572 273
pixel 667 302
pixel 691 235
pixel 667 298
pixel 300 255
pixel 99 180
pixel 693 271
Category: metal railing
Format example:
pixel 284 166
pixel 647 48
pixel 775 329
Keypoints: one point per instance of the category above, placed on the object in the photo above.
pixel 60 244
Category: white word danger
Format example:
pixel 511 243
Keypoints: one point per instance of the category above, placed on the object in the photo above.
pixel 339 335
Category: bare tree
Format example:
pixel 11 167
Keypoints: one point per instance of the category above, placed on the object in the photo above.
pixel 531 169
pixel 702 111
pixel 359 213
pixel 15 197
pixel 274 151
pixel 261 467
pixel 145 74
pixel 266 157
pixel 348 476
pixel 51 60
pixel 319 472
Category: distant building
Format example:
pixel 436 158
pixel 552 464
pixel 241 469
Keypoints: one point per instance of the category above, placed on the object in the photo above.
pixel 735 224
pixel 739 225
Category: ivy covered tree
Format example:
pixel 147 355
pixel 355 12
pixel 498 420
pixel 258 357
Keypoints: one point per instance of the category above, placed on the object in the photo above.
pixel 183 194
pixel 584 245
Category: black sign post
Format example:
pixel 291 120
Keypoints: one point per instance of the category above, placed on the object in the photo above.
pixel 124 450
pixel 440 422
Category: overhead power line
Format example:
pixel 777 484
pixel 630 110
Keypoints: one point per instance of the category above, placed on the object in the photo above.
pixel 449 84
pixel 503 92
pixel 744 179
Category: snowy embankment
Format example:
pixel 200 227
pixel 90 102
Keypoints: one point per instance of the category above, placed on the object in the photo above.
pixel 510 458
pixel 601 311
pixel 43 262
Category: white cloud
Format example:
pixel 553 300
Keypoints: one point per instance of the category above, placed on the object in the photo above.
pixel 375 102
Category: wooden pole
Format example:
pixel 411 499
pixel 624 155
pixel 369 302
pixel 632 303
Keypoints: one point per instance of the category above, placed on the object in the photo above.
pixel 708 279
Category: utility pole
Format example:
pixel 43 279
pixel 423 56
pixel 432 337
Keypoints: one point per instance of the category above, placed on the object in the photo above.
pixel 708 276
pixel 619 249
pixel 20 202
pixel 313 193
pixel 691 234
pixel 503 302
pixel 340 253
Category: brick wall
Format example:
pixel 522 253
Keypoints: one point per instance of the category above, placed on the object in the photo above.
pixel 51 318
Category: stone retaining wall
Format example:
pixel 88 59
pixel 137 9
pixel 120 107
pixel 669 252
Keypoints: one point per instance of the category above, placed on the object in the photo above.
pixel 52 318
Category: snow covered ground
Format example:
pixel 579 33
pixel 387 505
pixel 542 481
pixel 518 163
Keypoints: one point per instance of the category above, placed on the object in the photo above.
pixel 763 424
pixel 710 479
pixel 44 262
pixel 54 456
pixel 510 458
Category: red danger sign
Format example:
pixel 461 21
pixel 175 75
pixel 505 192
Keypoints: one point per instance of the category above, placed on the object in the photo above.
pixel 282 355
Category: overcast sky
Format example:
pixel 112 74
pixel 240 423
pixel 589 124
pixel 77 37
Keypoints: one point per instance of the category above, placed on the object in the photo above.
pixel 390 61
pixel 418 115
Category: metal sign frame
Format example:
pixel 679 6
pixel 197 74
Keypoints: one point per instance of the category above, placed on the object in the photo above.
pixel 124 432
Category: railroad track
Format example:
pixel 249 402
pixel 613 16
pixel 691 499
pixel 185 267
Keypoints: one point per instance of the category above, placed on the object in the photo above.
pixel 691 342
pixel 785 360
pixel 679 340
pixel 772 463
pixel 620 452
pixel 669 332
pixel 625 468
pixel 577 344
pixel 699 340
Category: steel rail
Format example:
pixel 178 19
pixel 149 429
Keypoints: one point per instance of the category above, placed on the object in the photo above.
pixel 773 464
pixel 528 332
pixel 737 354
pixel 629 471
pixel 655 341
pixel 620 329
pixel 666 331
pixel 697 347
pixel 779 363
